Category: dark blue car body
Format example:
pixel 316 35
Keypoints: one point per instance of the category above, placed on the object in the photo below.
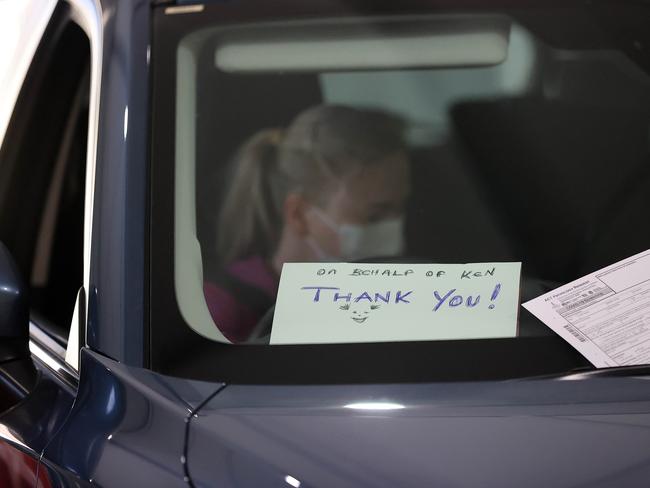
pixel 120 424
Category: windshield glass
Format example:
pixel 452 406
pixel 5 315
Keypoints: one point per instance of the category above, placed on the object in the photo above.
pixel 449 137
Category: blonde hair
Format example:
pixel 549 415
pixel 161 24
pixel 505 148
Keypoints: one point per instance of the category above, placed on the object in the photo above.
pixel 320 147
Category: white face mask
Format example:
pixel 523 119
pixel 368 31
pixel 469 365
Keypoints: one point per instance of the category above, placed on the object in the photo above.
pixel 377 239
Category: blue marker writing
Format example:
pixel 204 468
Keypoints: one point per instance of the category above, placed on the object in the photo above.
pixel 318 289
pixel 495 294
pixel 441 300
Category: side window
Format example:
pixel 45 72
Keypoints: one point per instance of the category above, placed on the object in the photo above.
pixel 42 174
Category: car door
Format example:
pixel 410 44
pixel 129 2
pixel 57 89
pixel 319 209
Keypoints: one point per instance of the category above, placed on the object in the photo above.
pixel 42 168
pixel 45 214
pixel 73 415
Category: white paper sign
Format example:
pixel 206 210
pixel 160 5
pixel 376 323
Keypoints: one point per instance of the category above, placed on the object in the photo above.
pixel 350 302
pixel 604 315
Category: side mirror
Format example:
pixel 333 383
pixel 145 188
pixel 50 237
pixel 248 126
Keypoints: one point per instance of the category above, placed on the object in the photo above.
pixel 14 310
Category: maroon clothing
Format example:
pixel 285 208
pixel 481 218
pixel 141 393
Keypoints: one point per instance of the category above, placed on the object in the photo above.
pixel 233 312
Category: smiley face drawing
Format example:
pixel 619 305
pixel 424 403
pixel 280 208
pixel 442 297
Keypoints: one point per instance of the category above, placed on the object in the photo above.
pixel 360 312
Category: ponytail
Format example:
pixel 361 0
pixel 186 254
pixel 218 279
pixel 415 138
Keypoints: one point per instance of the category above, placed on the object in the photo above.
pixel 249 220
pixel 322 145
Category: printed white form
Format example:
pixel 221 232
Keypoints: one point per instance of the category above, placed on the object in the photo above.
pixel 604 315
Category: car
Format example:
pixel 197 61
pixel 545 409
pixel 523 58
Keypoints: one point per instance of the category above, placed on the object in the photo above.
pixel 179 178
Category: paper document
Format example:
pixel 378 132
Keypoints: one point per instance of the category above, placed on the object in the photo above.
pixel 604 315
pixel 351 302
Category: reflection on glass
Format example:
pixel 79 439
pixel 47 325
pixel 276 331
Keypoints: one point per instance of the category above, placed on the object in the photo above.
pixel 292 481
pixel 374 406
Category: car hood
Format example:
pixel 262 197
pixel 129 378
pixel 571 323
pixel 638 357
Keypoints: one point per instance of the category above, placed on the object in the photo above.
pixel 579 432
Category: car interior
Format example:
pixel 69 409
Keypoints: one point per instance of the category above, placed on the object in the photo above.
pixel 541 158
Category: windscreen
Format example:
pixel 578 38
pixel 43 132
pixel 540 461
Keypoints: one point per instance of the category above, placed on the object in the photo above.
pixel 487 140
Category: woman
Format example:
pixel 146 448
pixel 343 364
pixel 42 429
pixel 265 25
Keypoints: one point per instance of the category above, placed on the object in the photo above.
pixel 331 187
